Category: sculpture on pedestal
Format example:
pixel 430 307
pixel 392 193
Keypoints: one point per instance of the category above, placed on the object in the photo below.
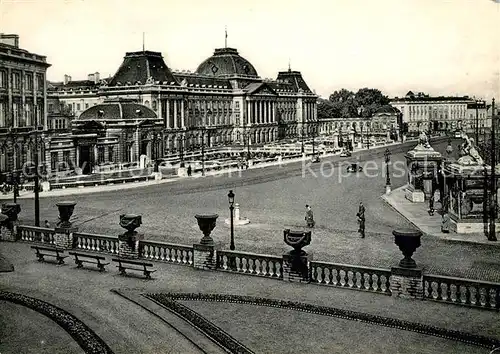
pixel 407 241
pixel 66 209
pixel 11 210
pixel 130 222
pixel 206 224
pixel 297 256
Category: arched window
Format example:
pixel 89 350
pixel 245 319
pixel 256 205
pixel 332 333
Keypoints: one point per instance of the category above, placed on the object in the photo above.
pixel 146 103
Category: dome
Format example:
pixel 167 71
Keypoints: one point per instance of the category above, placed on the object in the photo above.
pixel 226 62
pixel 117 110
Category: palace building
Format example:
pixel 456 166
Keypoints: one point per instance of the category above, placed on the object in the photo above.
pixel 23 102
pixel 147 109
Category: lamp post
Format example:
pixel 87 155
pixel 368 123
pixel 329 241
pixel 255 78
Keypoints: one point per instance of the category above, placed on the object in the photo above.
pixel 387 155
pixel 449 148
pixel 302 139
pixel 181 150
pixel 493 180
pixel 203 151
pixel 230 196
pixel 37 144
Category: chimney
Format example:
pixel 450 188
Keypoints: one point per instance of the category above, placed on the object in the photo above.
pixel 91 77
pixel 97 77
pixel 10 39
pixel 67 79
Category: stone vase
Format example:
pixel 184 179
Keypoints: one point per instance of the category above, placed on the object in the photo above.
pixel 66 209
pixel 130 222
pixel 407 241
pixel 206 224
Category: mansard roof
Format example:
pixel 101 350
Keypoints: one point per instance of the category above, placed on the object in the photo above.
pixel 118 109
pixel 141 68
pixel 195 80
pixel 294 78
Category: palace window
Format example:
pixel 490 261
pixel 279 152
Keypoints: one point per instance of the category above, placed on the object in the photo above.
pixel 100 154
pixel 3 114
pixel 53 160
pixel 77 106
pixel 3 79
pixel 66 159
pixel 86 105
pixel 111 153
pixel 154 105
pixel 40 82
pixel 29 82
pixel 16 81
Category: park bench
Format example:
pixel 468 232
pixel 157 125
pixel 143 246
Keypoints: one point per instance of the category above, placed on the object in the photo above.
pixel 123 264
pixel 49 251
pixel 80 259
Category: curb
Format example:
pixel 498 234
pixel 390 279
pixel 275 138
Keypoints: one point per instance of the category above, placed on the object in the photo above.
pixel 451 240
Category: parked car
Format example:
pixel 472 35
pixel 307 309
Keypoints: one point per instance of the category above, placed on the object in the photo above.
pixel 345 153
pixel 354 167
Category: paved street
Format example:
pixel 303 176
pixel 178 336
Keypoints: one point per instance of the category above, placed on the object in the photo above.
pixel 274 198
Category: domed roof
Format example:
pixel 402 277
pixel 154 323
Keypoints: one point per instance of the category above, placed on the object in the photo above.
pixel 117 110
pixel 387 109
pixel 226 62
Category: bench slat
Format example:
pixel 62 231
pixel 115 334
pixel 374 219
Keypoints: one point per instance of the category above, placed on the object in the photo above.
pixel 132 262
pixel 86 255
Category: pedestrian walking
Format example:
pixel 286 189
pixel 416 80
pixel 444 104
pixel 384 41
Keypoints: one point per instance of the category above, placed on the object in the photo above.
pixel 309 216
pixel 189 170
pixel 361 219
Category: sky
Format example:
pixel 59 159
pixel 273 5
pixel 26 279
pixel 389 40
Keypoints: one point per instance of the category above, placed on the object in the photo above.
pixel 441 47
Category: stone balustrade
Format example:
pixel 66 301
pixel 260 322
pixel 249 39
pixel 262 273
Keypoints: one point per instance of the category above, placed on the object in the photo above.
pixel 353 277
pixel 96 243
pixel 462 291
pixel 466 292
pixel 166 252
pixel 35 234
pixel 250 263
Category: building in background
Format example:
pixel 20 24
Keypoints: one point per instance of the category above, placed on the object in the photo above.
pixel 23 101
pixel 223 102
pixel 433 114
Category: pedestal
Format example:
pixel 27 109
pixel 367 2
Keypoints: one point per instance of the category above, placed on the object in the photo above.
pixel 127 249
pixel 45 186
pixel 280 159
pixel 204 256
pixel 296 268
pixel 9 234
pixel 63 237
pixel 415 196
pixel 387 189
pixel 407 283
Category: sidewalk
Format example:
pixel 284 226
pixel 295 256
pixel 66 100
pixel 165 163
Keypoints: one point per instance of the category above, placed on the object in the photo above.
pixel 127 328
pixel 417 214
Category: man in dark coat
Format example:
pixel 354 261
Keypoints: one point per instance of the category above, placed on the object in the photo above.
pixel 361 219
pixel 309 217
pixel 189 170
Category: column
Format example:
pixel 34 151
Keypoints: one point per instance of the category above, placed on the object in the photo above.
pixel 273 112
pixel 160 108
pixel 167 116
pixel 77 162
pixel 261 112
pixel 267 111
pixel 249 109
pixel 183 123
pixel 96 155
pixel 175 115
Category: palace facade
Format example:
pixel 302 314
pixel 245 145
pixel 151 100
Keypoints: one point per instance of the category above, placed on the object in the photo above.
pixel 223 102
pixel 23 100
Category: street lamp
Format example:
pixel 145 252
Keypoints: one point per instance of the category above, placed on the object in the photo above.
pixel 232 259
pixel 387 155
pixel 493 183
pixel 181 150
pixel 230 197
pixel 14 177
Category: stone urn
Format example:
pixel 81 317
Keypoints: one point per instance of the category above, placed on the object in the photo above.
pixel 206 223
pixel 11 210
pixel 407 241
pixel 298 240
pixel 66 209
pixel 130 222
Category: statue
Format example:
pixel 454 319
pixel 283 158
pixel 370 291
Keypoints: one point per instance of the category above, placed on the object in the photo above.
pixel 470 154
pixel 423 140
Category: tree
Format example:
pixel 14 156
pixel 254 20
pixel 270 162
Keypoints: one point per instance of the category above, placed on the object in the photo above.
pixel 327 109
pixel 370 100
